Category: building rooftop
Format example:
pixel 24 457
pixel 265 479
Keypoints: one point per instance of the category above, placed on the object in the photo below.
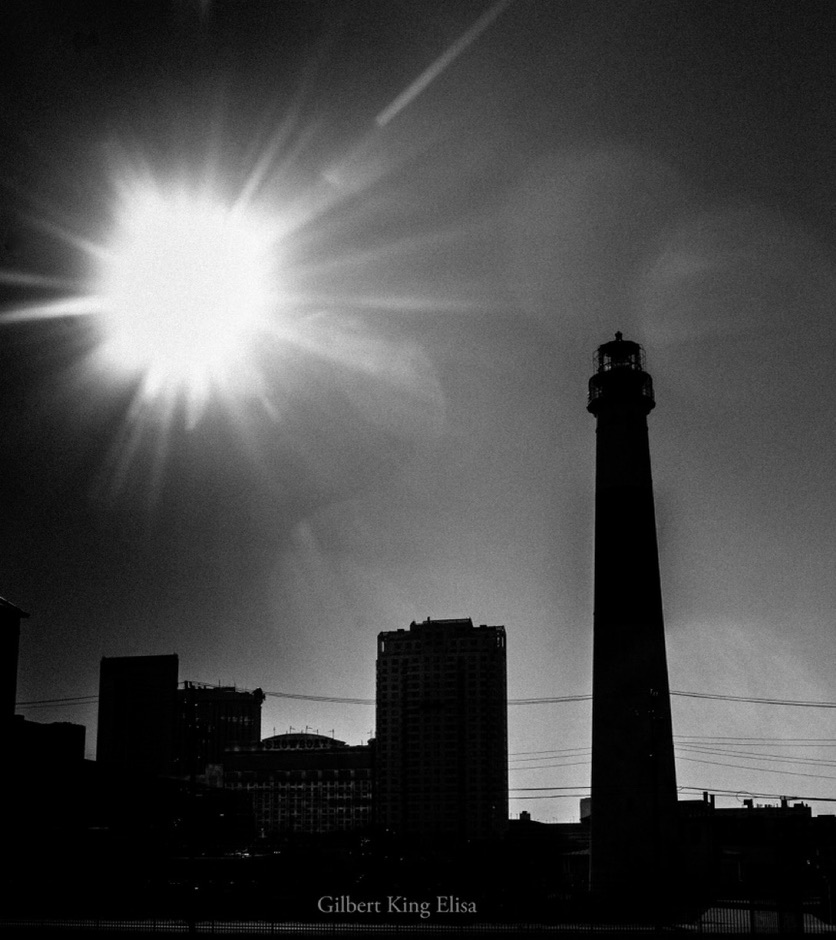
pixel 7 607
pixel 453 625
pixel 300 740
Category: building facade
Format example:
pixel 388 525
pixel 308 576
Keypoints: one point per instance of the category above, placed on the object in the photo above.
pixel 303 783
pixel 147 724
pixel 137 712
pixel 441 746
pixel 210 720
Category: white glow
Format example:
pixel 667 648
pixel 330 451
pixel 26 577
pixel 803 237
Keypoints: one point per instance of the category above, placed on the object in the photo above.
pixel 186 286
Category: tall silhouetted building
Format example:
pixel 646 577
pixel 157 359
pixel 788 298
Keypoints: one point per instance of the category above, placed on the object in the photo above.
pixel 633 815
pixel 212 719
pixel 137 714
pixel 441 748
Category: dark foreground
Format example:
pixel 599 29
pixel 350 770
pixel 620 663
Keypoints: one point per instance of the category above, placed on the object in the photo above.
pixel 726 918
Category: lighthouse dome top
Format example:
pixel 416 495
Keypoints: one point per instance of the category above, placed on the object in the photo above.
pixel 619 378
pixel 619 353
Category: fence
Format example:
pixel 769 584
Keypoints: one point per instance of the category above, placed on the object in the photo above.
pixel 722 918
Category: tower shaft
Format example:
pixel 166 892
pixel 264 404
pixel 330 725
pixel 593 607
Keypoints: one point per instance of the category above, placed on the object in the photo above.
pixel 633 772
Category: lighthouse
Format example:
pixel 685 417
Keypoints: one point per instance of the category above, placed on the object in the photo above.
pixel 633 817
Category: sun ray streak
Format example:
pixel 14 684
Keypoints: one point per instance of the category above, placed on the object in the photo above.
pixel 83 245
pixel 65 307
pixel 276 149
pixel 28 279
pixel 430 74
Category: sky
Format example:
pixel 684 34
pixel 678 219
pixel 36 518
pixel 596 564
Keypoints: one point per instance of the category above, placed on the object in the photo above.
pixel 465 200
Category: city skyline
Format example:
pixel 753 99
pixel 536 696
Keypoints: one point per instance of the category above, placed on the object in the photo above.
pixel 426 451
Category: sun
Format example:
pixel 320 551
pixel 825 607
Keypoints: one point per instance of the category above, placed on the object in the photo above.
pixel 186 284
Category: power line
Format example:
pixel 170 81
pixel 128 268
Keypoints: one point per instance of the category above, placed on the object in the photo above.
pixel 754 700
pixel 549 700
pixel 323 698
pixel 748 755
pixel 552 796
pixel 76 700
pixel 699 741
pixel 707 740
pixel 557 750
pixel 556 755
pixel 543 700
pixel 714 696
pixel 559 699
pixel 762 770
pixel 575 763
pixel 762 796
pixel 679 756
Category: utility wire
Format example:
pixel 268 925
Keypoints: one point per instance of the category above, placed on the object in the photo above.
pixel 552 796
pixel 574 763
pixel 756 701
pixel 763 770
pixel 343 700
pixel 815 762
pixel 735 737
pixel 748 755
pixel 47 702
pixel 755 742
pixel 548 700
pixel 718 741
pixel 749 793
pixel 759 795
pixel 579 752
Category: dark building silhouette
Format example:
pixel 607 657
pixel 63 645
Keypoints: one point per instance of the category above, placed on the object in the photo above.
pixel 761 850
pixel 546 864
pixel 137 714
pixel 633 817
pixel 55 743
pixel 10 617
pixel 210 720
pixel 303 783
pixel 149 725
pixel 441 748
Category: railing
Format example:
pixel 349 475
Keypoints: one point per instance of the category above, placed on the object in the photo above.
pixel 638 384
pixel 725 917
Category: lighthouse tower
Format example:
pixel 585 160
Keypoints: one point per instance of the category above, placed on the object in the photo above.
pixel 633 816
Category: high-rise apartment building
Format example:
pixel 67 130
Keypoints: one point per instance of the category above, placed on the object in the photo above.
pixel 441 748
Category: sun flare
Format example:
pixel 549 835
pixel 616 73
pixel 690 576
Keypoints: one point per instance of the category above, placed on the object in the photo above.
pixel 186 284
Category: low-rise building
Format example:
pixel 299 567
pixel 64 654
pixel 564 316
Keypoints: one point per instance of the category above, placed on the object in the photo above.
pixel 303 782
